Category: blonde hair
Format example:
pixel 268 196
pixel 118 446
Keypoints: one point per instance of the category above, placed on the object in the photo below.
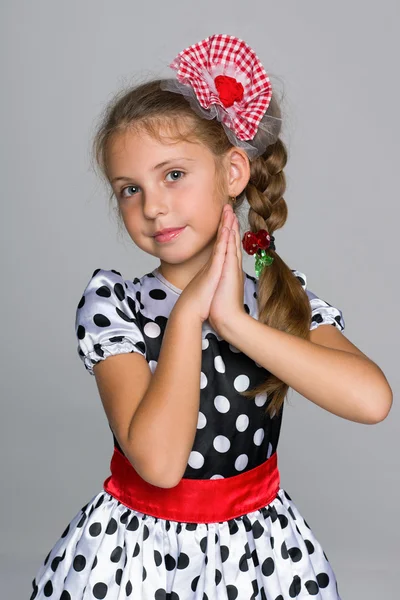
pixel 282 302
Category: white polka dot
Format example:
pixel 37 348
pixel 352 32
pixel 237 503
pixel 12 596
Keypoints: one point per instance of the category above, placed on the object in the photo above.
pixel 241 383
pixel 217 477
pixel 152 330
pixel 233 349
pixel 241 462
pixel 269 450
pixel 196 460
pixel 221 443
pixel 260 399
pixel 242 422
pixel 222 404
pixel 201 420
pixel 152 365
pixel 203 380
pixel 204 343
pixel 258 437
pixel 219 364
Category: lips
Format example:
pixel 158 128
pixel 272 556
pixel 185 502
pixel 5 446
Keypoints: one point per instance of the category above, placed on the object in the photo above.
pixel 169 234
pixel 167 230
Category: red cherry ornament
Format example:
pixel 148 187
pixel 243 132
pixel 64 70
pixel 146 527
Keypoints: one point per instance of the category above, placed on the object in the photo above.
pixel 256 241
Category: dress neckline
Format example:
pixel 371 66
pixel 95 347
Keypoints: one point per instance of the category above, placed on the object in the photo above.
pixel 170 285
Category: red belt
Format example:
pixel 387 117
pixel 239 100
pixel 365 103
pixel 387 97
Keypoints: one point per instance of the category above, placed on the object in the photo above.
pixel 194 500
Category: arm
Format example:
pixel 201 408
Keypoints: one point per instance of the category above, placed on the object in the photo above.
pixel 340 379
pixel 162 430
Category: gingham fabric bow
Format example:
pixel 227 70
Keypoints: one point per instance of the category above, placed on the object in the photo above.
pixel 224 70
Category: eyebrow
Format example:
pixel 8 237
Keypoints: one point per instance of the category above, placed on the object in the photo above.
pixel 159 166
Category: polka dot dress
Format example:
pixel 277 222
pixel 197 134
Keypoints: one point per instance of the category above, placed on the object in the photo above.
pixel 109 551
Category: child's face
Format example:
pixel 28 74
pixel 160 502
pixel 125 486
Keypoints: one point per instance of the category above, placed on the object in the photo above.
pixel 181 193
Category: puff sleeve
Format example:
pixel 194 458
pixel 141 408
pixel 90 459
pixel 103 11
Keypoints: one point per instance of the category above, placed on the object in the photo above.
pixel 322 313
pixel 105 322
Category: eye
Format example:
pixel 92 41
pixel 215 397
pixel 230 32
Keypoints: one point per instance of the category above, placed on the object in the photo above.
pixel 130 187
pixel 176 172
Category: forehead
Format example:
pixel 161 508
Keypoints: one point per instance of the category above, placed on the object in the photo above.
pixel 137 146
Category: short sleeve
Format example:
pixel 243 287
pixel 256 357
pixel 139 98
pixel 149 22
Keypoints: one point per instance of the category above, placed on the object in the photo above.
pixel 322 313
pixel 106 320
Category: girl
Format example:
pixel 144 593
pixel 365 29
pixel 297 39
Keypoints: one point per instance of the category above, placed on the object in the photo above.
pixel 201 355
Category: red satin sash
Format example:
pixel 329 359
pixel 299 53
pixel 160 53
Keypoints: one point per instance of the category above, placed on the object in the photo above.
pixel 194 500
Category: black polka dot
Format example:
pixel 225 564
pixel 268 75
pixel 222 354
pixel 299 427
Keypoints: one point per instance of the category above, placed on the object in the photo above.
pixel 224 553
pixel 283 521
pixel 323 580
pixel 118 576
pixel 99 501
pixel 128 588
pixel 218 576
pixel 160 594
pixel 310 546
pixel 79 563
pixel 170 562
pixel 94 563
pixel 258 529
pixel 65 595
pixel 133 524
pixel 103 291
pixel 243 564
pixel 136 550
pixel 157 558
pixel 233 527
pixel 268 566
pixel 183 561
pixel 254 556
pixel 48 589
pixel 295 554
pixel 295 587
pixel 125 516
pixel 203 544
pixel 284 550
pixel 95 529
pixel 112 526
pixel 312 587
pixel 54 563
pixel 116 554
pixel 100 590
pixel 81 521
pixel 232 592
pixel 194 583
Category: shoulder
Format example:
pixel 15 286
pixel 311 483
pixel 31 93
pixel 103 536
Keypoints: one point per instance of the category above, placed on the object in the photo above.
pixel 322 312
pixel 107 317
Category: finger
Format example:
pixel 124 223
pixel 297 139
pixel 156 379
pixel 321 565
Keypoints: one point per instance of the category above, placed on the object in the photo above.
pixel 223 218
pixel 237 240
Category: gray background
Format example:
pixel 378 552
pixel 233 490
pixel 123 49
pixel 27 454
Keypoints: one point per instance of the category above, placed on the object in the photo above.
pixel 60 63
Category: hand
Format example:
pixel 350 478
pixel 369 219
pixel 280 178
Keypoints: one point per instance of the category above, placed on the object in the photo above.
pixel 198 294
pixel 228 300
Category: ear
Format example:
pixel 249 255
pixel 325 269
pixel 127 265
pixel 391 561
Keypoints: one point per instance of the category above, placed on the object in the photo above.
pixel 238 171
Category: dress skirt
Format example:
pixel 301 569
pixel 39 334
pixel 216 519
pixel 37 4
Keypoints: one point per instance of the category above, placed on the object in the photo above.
pixel 211 539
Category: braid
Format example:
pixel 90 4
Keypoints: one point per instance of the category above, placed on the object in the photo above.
pixel 282 302
pixel 267 184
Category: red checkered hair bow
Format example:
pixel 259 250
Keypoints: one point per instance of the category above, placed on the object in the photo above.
pixel 225 79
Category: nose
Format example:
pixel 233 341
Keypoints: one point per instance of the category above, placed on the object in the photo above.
pixel 154 203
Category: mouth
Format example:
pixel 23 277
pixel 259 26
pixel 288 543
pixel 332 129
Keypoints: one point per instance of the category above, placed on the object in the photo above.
pixel 169 235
